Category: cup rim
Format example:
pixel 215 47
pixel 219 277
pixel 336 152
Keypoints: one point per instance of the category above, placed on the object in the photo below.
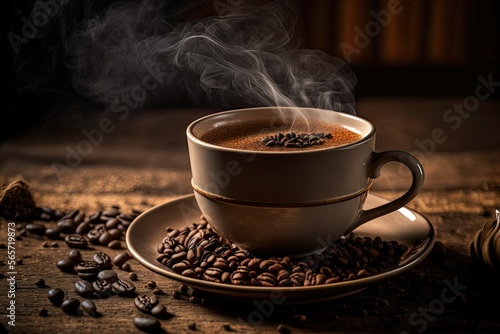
pixel 191 136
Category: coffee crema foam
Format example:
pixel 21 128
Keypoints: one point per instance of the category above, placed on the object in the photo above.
pixel 248 136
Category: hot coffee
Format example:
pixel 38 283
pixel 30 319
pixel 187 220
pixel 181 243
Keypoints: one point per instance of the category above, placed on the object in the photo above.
pixel 258 136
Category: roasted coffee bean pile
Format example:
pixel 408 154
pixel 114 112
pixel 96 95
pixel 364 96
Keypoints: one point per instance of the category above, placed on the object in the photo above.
pixel 197 251
pixel 293 139
pixel 103 227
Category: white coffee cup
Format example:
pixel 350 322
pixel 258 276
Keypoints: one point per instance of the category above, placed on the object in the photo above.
pixel 287 202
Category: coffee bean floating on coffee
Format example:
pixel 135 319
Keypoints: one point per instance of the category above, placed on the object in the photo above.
pixel 197 251
pixel 292 139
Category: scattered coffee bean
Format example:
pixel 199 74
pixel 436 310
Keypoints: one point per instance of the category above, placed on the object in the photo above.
pixel 67 226
pixel 150 285
pixel 145 303
pixel 53 233
pixel 157 291
pixel 45 244
pixel 113 212
pixel 103 260
pixel 102 288
pixel 120 259
pixel 35 228
pixel 75 256
pixel 89 307
pixel 115 244
pixel 108 275
pixel 132 276
pixel 160 311
pixel 43 312
pixel 283 329
pixel 70 215
pixel 192 326
pixel 65 265
pixel 54 244
pixel 40 283
pixel 123 288
pixel 56 296
pixel 94 234
pixel 126 267
pixel 147 323
pixel 88 270
pixel 76 241
pixel 176 294
pixel 182 289
pixel 70 306
pixel 84 288
pixel 83 228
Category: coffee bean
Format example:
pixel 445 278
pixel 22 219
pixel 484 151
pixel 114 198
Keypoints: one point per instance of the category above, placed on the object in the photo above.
pixel 120 259
pixel 43 312
pixel 115 244
pixel 75 256
pixel 89 307
pixel 105 238
pixel 145 303
pixel 110 213
pixel 132 276
pixel 183 289
pixel 283 329
pixel 76 241
pixel 126 267
pixel 95 218
pixel 94 234
pixel 67 226
pixel 103 260
pixel 40 283
pixel 84 288
pixel 83 228
pixel 88 270
pixel 35 228
pixel 123 288
pixel 147 323
pixel 53 233
pixel 70 215
pixel 108 275
pixel 102 288
pixel 112 223
pixel 65 265
pixel 176 294
pixel 160 311
pixel 56 296
pixel 70 306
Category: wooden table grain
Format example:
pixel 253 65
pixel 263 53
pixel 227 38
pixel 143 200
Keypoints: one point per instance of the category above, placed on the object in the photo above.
pixel 141 161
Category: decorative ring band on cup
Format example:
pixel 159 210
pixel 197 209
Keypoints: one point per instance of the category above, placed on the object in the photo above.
pixel 281 205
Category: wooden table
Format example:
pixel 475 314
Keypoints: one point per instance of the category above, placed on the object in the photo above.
pixel 142 161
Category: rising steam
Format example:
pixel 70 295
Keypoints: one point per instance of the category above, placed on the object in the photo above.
pixel 244 58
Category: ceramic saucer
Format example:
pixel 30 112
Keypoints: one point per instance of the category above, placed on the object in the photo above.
pixel 405 226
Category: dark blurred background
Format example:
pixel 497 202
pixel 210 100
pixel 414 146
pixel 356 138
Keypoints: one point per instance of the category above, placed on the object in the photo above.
pixel 420 48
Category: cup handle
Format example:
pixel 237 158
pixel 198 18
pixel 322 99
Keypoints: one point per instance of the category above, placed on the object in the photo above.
pixel 375 163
